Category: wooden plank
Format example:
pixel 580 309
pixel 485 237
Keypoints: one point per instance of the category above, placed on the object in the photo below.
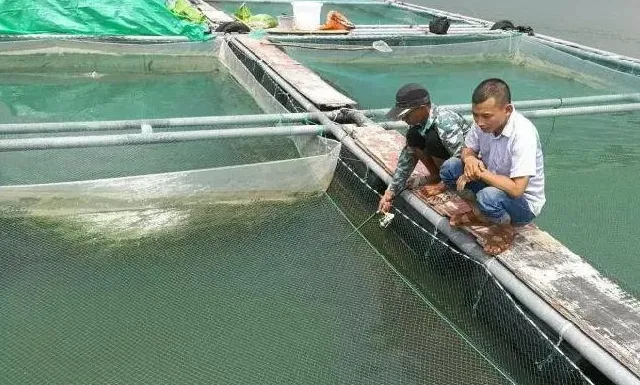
pixel 307 82
pixel 214 15
pixel 596 305
pixel 282 31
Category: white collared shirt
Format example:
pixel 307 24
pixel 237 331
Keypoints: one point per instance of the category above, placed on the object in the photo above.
pixel 514 153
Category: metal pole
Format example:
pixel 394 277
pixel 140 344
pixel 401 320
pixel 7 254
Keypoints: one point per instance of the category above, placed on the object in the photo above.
pixel 570 111
pixel 108 125
pixel 555 104
pixel 385 34
pixel 437 12
pixel 585 110
pixel 29 128
pixel 601 54
pixel 148 138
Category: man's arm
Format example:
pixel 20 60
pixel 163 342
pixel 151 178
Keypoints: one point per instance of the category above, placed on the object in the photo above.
pixel 452 129
pixel 430 165
pixel 467 152
pixel 472 165
pixel 514 187
pixel 406 163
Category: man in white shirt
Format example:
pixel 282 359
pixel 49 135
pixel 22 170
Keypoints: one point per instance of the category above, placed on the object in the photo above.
pixel 501 162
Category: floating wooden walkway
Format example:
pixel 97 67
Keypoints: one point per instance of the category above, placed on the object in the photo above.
pixel 563 279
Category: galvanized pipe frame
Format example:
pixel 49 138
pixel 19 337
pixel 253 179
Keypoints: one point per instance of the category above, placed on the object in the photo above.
pixel 595 354
pixel 553 104
pixel 548 113
pixel 558 107
pixel 384 33
pixel 149 137
pixel 438 12
pixel 137 124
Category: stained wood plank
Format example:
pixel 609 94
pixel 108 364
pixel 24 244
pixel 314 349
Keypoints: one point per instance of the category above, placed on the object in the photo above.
pixel 303 79
pixel 214 15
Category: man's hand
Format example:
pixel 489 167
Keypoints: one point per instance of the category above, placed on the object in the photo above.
pixel 462 182
pixel 473 167
pixel 385 202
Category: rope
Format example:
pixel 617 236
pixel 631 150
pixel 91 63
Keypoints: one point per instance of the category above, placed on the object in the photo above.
pixel 553 126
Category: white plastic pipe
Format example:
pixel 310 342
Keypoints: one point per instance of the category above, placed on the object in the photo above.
pixel 559 104
pixel 109 125
pixel 150 137
pixel 29 128
pixel 549 113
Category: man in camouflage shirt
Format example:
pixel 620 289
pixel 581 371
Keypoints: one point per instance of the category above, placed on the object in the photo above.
pixel 435 134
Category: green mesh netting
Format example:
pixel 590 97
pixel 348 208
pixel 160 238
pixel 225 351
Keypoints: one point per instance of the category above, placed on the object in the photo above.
pixel 176 296
pixel 106 17
pixel 76 82
pixel 52 166
pixel 450 69
pixel 592 204
pixel 88 82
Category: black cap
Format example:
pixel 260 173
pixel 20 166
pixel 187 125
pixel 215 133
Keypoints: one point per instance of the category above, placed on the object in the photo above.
pixel 409 96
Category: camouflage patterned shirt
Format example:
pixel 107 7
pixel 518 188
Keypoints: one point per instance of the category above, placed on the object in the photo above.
pixel 452 129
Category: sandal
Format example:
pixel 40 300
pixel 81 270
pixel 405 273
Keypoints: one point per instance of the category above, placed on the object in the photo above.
pixel 436 200
pixel 499 242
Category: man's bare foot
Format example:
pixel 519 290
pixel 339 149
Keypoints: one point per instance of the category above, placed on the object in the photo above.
pixel 434 189
pixel 466 219
pixel 501 241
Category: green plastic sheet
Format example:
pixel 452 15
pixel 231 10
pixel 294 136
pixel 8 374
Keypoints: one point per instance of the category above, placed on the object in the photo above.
pixel 88 17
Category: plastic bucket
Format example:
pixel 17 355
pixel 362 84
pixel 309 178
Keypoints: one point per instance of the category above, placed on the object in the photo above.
pixel 306 15
pixel 285 22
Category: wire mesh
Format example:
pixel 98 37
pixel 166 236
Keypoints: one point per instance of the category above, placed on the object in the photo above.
pixel 461 288
pixel 259 292
pixel 53 81
pixel 450 69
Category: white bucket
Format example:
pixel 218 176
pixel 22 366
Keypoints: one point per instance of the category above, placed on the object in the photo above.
pixel 306 15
